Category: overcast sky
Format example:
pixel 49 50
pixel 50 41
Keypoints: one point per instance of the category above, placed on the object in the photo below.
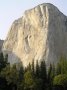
pixel 13 9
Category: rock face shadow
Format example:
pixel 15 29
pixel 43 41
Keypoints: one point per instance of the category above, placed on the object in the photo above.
pixel 56 37
pixel 12 58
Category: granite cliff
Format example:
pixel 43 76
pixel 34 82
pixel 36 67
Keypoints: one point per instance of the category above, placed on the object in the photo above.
pixel 40 34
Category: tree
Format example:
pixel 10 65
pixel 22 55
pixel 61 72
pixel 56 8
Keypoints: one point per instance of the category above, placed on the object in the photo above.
pixel 29 67
pixel 33 68
pixel 11 75
pixel 6 59
pixel 37 70
pixel 2 63
pixel 61 67
pixel 21 73
pixel 50 77
pixel 3 83
pixel 60 80
pixel 21 78
pixel 38 84
pixel 29 81
pixel 43 74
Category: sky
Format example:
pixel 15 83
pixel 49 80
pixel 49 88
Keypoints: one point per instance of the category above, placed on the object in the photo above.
pixel 11 10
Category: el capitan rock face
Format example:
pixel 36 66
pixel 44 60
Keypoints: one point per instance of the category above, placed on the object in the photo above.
pixel 40 34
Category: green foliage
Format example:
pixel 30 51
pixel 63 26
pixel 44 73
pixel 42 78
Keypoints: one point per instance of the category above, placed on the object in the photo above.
pixel 50 77
pixel 3 61
pixel 60 80
pixel 29 81
pixel 37 70
pixel 11 74
pixel 38 84
pixel 32 77
pixel 61 66
pixel 6 59
pixel 43 74
pixel 21 73
pixel 3 83
pixel 33 68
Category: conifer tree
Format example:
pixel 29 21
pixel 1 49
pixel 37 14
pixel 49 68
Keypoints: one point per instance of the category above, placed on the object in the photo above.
pixel 21 78
pixel 43 74
pixel 33 68
pixel 29 81
pixel 37 69
pixel 50 77
pixel 2 62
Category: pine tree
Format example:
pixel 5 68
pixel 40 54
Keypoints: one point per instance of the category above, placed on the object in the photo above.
pixel 29 67
pixel 50 77
pixel 43 74
pixel 21 78
pixel 2 62
pixel 33 68
pixel 37 70
pixel 29 81
pixel 21 73
pixel 43 70
pixel 61 67
pixel 6 58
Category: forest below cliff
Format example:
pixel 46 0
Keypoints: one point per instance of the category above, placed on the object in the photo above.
pixel 38 77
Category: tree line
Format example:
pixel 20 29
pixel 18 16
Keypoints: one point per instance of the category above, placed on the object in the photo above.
pixel 33 77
